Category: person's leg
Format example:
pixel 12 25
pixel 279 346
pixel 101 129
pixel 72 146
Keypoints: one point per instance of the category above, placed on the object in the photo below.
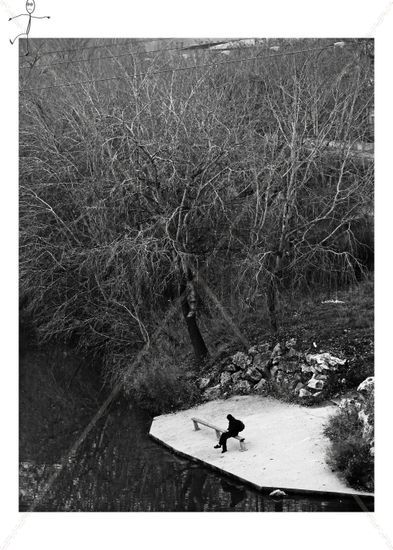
pixel 219 442
pixel 227 436
pixel 223 440
pixel 17 36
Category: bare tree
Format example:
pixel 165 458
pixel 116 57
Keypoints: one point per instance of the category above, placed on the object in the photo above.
pixel 133 190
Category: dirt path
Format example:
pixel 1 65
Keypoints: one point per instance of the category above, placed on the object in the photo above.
pixel 285 444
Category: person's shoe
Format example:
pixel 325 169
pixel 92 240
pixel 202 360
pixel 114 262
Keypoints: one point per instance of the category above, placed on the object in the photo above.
pixel 217 446
pixel 224 451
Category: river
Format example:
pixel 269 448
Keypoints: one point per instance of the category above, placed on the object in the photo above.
pixel 117 467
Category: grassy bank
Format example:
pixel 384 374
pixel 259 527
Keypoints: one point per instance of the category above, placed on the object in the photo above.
pixel 344 328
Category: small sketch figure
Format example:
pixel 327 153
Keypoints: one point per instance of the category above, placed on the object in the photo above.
pixel 30 7
pixel 234 427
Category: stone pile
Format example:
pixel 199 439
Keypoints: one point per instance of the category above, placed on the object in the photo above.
pixel 282 370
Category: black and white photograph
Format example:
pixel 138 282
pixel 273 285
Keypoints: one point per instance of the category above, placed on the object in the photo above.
pixel 196 248
pixel 194 261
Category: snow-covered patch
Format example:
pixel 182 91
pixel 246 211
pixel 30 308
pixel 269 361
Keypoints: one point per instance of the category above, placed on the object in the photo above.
pixel 285 443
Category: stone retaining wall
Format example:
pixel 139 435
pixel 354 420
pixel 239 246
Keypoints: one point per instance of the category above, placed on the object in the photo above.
pixel 283 370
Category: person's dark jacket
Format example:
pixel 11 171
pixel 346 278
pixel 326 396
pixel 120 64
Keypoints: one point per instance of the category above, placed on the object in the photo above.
pixel 234 426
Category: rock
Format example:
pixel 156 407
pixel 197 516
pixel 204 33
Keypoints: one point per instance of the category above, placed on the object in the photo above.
pixel 298 387
pixel 212 393
pixel 367 386
pixel 225 379
pixel 241 360
pixel 315 384
pixel 290 343
pixel 236 377
pixel 261 360
pixel 262 387
pixel 277 351
pixel 242 387
pixel 274 370
pixel 326 360
pixel 230 368
pixel 318 376
pixel 204 382
pixel 307 368
pixel 279 377
pixel 253 374
pixel 304 393
pixel 277 493
pixel 264 369
pixel 322 368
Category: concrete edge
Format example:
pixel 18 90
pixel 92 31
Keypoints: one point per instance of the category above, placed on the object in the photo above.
pixel 262 488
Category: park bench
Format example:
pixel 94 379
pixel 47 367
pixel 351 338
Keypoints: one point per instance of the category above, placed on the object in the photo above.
pixel 218 431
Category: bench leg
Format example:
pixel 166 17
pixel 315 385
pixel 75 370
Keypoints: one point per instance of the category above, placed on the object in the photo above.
pixel 196 427
pixel 218 434
pixel 242 446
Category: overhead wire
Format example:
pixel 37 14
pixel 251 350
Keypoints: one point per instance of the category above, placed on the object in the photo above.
pixel 174 69
pixel 113 45
pixel 126 54
pixel 96 46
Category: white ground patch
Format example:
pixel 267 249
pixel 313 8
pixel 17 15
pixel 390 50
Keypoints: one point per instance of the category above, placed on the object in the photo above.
pixel 285 443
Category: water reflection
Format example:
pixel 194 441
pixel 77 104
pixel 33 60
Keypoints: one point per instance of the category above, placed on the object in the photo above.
pixel 192 497
pixel 237 493
pixel 124 470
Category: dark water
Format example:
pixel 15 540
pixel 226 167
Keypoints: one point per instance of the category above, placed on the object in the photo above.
pixel 119 468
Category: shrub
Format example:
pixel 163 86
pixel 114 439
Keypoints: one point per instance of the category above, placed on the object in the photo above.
pixel 162 386
pixel 350 452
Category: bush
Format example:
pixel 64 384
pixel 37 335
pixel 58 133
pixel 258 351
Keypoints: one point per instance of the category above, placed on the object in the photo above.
pixel 162 386
pixel 352 457
pixel 350 452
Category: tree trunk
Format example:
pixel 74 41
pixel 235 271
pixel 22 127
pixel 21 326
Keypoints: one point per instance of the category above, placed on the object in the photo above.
pixel 197 342
pixel 271 303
